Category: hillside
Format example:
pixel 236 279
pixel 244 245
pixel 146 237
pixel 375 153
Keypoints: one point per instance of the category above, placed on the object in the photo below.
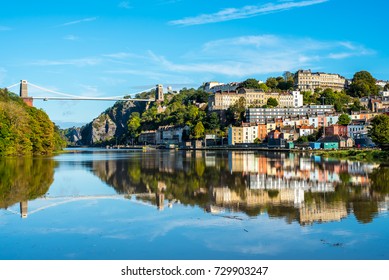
pixel 25 130
pixel 110 126
pixel 122 123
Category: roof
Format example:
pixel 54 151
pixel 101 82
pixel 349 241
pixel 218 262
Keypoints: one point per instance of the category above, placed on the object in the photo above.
pixel 306 127
pixel 333 138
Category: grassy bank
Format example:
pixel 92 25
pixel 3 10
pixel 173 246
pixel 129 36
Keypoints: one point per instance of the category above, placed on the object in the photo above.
pixel 355 154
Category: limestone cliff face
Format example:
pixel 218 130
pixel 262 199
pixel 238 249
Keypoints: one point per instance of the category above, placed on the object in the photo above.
pixel 72 136
pixel 110 126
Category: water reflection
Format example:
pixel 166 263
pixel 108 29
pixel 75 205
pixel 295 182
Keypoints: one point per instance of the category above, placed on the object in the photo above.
pixel 297 188
pixel 23 180
pixel 104 205
pixel 294 187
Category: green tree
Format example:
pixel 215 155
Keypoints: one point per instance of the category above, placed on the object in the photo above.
pixel 236 113
pixel 263 87
pixel 379 129
pixel 302 139
pixel 25 130
pixel 198 131
pixel 133 125
pixel 212 121
pixel 285 85
pixel 357 106
pixel 316 135
pixel 344 119
pixel 363 84
pixel 250 83
pixel 272 82
pixel 386 87
pixel 272 102
pixel 288 75
pixel 309 97
pixel 328 96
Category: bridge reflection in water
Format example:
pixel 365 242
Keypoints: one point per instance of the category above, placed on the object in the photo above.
pixel 60 200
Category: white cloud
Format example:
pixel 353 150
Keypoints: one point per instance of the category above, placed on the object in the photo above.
pixel 123 55
pixel 71 38
pixel 81 62
pixel 244 12
pixel 78 21
pixel 90 91
pixel 264 54
pixel 125 5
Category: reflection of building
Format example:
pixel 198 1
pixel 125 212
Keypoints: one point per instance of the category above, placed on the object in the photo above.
pixel 243 162
pixel 322 212
pixel 226 197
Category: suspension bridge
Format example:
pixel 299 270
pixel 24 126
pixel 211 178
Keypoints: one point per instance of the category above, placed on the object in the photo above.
pixel 47 94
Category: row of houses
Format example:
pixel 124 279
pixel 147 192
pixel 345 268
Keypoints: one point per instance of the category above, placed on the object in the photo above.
pixel 277 130
pixel 279 133
pixel 376 103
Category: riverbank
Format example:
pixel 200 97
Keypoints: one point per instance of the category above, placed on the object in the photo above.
pixel 368 155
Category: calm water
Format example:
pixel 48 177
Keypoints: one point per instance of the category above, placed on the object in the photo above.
pixel 192 205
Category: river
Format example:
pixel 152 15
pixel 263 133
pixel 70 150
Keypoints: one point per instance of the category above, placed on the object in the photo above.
pixel 166 205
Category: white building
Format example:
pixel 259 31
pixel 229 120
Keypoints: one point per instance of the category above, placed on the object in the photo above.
pixel 356 128
pixel 213 87
pixel 306 130
pixel 297 99
pixel 209 85
pixel 170 134
pixel 384 93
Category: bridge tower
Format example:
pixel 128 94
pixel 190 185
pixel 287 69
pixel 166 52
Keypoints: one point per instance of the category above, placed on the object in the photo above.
pixel 159 93
pixel 24 93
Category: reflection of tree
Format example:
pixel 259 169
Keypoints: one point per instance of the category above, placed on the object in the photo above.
pixel 278 211
pixel 24 179
pixel 380 180
pixel 365 211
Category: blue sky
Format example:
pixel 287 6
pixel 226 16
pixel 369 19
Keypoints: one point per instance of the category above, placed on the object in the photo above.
pixel 111 48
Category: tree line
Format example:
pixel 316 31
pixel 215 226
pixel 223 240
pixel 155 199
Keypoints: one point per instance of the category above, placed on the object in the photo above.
pixel 25 130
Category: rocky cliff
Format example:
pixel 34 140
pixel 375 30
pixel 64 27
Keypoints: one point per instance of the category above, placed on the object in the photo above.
pixel 110 127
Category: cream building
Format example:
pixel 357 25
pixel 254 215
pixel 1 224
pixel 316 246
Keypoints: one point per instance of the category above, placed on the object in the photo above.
pixel 247 133
pixel 306 80
pixel 253 98
pixel 223 100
